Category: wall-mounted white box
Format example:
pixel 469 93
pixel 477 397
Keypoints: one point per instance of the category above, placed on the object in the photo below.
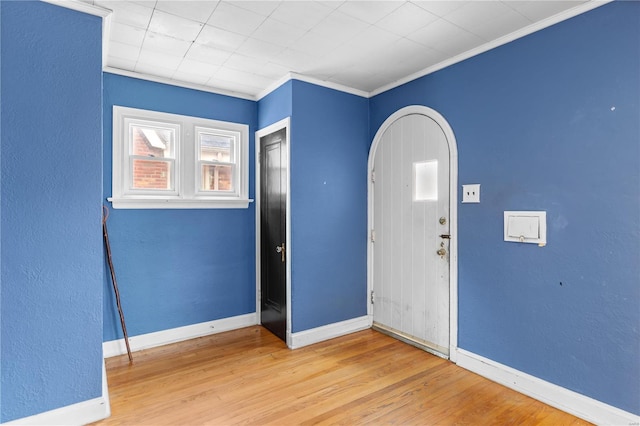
pixel 526 227
pixel 471 193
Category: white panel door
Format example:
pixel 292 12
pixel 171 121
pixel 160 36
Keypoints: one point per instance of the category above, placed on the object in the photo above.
pixel 411 229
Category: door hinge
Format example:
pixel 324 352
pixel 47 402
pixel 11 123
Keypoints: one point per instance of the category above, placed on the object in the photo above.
pixel 373 236
pixel 373 297
pixel 373 176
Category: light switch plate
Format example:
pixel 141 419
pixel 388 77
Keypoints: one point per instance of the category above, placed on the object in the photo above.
pixel 471 193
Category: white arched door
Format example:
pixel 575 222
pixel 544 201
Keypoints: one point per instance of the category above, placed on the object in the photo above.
pixel 412 229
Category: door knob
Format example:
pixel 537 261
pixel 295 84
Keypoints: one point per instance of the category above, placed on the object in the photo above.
pixel 442 252
pixel 280 249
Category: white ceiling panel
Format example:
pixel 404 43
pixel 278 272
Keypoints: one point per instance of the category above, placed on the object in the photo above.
pixel 340 25
pixel 220 39
pixel 261 7
pixel 272 71
pixel 190 77
pixel 124 51
pixel 146 3
pixel 406 19
pixel 123 64
pixel 242 77
pixel 241 62
pixel 369 11
pixel 370 40
pixel 154 70
pixel 295 61
pixel 159 59
pixel 403 49
pixel 474 14
pixel 301 14
pixel 499 25
pixel 246 46
pixel 235 19
pixel 127 34
pixel 206 54
pixel 167 45
pixel 174 26
pixel 440 7
pixel 198 68
pixel 128 13
pixel 198 11
pixel 317 44
pixel 349 74
pixel 442 35
pixel 259 48
pixel 277 32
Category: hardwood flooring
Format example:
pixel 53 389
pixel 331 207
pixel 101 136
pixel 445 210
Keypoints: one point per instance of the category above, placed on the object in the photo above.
pixel 249 376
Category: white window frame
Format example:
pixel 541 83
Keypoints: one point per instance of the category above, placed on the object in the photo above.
pixel 186 193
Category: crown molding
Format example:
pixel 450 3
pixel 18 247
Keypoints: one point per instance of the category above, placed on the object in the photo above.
pixel 81 7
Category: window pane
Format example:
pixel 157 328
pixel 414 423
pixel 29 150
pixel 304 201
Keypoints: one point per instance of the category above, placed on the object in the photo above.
pixel 217 177
pixel 151 174
pixel 425 184
pixel 154 142
pixel 216 148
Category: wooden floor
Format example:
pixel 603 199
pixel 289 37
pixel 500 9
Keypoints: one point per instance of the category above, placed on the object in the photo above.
pixel 249 376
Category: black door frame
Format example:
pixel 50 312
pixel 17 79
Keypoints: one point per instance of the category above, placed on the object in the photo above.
pixel 282 124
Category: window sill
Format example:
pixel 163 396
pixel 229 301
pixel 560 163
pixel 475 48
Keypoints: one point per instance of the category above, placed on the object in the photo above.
pixel 179 203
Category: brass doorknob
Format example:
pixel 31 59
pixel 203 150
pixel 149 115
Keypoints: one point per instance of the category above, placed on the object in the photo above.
pixel 280 249
pixel 442 252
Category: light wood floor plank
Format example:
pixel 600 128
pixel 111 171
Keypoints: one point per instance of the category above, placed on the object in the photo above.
pixel 250 377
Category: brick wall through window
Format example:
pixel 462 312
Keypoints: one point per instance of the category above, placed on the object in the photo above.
pixel 152 173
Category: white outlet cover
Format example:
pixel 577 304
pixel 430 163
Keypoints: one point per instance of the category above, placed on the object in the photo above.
pixel 471 193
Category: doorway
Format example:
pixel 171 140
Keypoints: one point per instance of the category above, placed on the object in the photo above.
pixel 273 248
pixel 412 250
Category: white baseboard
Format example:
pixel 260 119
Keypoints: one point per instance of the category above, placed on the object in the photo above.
pixel 78 414
pixel 326 332
pixel 564 399
pixel 165 337
pixel 82 413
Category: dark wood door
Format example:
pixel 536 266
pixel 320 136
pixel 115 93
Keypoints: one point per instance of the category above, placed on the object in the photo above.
pixel 273 250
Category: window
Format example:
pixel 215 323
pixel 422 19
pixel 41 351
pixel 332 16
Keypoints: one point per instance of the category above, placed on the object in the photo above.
pixel 425 181
pixel 163 160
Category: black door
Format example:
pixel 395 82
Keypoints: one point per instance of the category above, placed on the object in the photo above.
pixel 273 252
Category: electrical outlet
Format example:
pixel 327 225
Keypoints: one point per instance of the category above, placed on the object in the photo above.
pixel 471 193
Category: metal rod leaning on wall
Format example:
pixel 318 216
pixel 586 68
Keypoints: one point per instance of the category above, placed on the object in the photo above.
pixel 105 234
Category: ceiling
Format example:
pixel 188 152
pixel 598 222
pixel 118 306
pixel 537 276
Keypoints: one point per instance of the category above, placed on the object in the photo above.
pixel 246 47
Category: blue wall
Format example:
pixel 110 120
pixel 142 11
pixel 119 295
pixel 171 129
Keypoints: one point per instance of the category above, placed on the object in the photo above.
pixel 51 256
pixel 276 106
pixel 178 267
pixel 329 149
pixel 550 122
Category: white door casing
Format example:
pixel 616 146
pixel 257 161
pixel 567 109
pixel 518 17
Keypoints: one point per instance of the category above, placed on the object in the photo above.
pixel 416 288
